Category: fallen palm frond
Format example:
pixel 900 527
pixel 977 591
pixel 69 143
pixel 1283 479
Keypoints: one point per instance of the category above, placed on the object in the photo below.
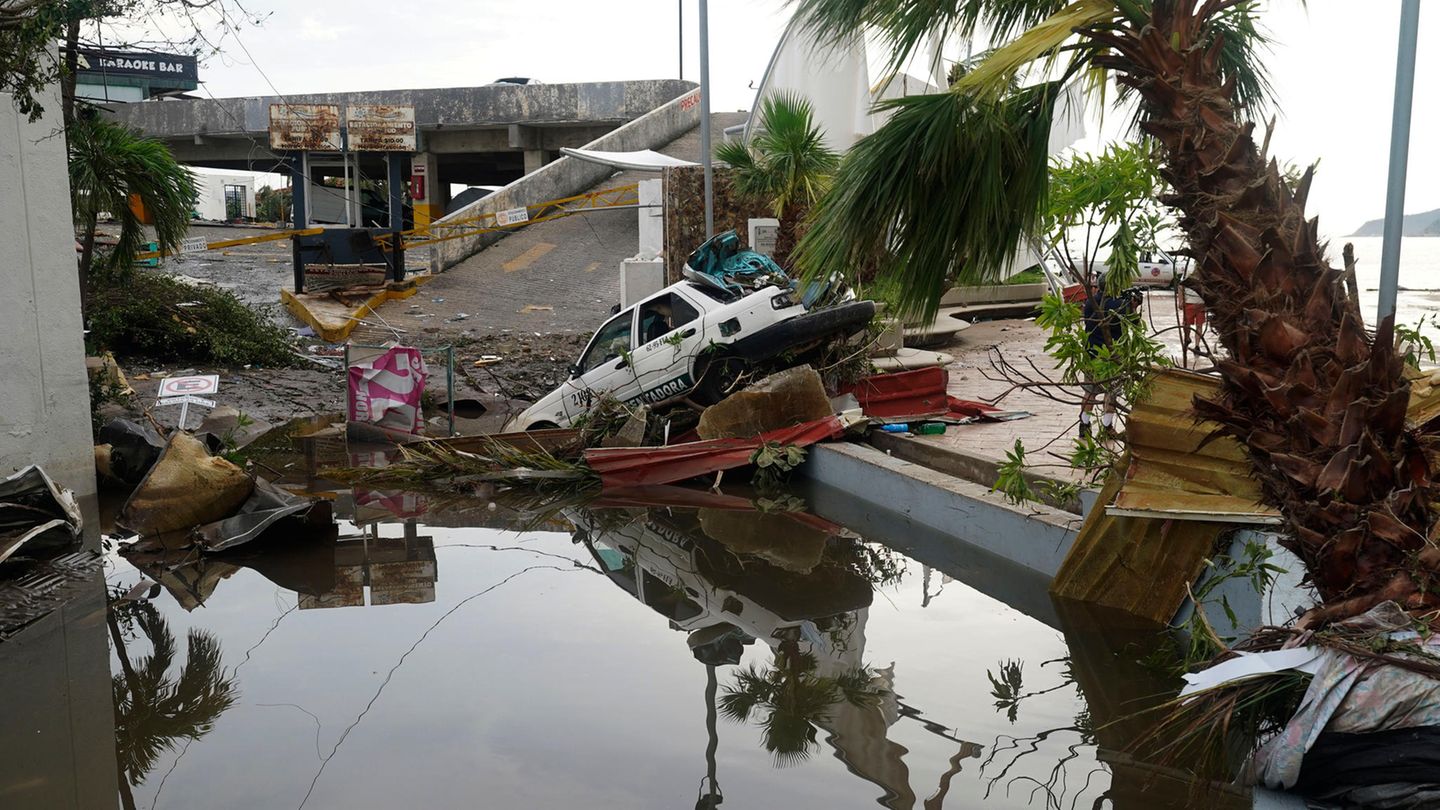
pixel 435 466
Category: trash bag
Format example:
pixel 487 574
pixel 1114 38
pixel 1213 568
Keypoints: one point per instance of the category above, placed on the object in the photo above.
pixel 1393 768
pixel 134 447
pixel 187 487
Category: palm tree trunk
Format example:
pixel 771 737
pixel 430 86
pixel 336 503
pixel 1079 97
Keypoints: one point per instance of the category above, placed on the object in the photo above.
pixel 87 258
pixel 72 63
pixel 1318 403
pixel 127 798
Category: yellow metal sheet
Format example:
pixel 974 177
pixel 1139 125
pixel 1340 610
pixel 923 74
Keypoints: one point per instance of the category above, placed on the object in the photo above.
pixel 1174 472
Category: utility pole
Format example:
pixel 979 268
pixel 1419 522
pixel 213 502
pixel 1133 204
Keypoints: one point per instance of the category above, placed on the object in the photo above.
pixel 680 41
pixel 1399 160
pixel 705 116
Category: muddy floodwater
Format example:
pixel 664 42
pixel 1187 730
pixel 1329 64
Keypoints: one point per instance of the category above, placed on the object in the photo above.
pixel 621 654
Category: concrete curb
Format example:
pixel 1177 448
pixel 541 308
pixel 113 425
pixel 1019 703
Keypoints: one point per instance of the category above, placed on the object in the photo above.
pixel 1037 537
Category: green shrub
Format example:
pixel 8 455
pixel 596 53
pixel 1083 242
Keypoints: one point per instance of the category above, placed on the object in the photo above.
pixel 156 317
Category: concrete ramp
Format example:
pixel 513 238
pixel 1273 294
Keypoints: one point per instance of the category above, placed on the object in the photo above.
pixel 568 176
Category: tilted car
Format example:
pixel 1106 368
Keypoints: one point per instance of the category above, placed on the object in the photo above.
pixel 734 313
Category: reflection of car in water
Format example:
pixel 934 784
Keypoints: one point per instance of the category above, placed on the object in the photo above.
pixel 670 563
pixel 728 576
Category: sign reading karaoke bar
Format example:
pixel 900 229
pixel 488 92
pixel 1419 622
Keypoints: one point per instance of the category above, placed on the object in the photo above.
pixel 138 63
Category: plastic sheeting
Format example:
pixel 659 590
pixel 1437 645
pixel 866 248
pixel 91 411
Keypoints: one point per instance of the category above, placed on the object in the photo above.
pixel 645 160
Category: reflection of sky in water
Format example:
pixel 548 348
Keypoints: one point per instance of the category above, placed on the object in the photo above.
pixel 559 689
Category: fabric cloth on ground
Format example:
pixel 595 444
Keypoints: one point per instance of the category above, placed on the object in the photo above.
pixel 1352 696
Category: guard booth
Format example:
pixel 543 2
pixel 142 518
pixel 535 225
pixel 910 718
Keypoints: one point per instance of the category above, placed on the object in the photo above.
pixel 333 167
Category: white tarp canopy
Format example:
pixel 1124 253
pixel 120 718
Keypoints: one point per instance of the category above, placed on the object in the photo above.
pixel 645 160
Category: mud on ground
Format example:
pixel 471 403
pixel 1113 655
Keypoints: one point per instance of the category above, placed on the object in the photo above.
pixel 529 367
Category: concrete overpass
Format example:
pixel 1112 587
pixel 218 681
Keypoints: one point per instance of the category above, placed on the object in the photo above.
pixel 489 135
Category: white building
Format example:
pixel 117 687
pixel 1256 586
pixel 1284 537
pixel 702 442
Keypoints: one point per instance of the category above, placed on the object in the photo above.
pixel 224 195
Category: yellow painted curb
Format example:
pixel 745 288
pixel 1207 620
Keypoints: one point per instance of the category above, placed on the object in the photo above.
pixel 332 320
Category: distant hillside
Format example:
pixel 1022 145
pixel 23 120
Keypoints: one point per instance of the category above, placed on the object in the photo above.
pixel 1426 224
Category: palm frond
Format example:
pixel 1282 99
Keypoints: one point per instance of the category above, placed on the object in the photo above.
pixel 943 192
pixel 996 75
pixel 787 162
pixel 111 163
pixel 903 26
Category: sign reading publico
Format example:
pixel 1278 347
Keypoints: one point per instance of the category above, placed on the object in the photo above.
pixel 189 386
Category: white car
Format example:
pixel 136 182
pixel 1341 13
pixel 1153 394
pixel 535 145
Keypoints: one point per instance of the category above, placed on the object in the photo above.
pixel 694 339
pixel 1157 270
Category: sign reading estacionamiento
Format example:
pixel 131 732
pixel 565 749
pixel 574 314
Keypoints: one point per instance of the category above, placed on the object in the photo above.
pixel 381 127
pixel 138 63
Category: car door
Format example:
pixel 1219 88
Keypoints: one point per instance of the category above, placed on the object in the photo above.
pixel 604 368
pixel 669 332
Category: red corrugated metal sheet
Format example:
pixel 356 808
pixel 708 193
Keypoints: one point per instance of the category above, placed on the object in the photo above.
pixel 904 395
pixel 912 395
pixel 645 466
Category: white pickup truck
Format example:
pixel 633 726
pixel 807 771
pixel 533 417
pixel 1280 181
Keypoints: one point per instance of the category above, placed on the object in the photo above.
pixel 694 339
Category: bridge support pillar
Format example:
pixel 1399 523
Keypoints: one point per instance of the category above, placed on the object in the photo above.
pixel 432 195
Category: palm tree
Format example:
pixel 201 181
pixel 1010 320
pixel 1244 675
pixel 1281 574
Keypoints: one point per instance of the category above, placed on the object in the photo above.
pixel 786 165
pixel 794 699
pixel 153 710
pixel 111 164
pixel 952 182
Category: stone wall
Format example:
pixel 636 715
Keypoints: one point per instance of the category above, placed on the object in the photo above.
pixel 685 213
pixel 44 397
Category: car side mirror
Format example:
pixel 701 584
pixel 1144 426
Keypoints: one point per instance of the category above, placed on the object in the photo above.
pixel 575 371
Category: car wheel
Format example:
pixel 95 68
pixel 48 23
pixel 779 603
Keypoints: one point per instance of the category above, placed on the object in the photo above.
pixel 718 377
pixel 542 426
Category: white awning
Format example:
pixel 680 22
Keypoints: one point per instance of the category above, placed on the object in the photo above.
pixel 646 160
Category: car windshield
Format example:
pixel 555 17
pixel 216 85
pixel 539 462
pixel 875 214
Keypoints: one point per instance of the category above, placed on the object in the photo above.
pixel 612 339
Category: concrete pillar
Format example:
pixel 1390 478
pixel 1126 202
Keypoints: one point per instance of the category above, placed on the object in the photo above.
pixel 425 178
pixel 45 398
pixel 534 159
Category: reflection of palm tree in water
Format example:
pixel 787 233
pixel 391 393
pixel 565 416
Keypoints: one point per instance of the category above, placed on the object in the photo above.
pixel 152 709
pixel 795 699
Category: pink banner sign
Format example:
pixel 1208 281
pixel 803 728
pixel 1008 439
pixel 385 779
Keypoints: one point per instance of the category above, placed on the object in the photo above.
pixel 385 390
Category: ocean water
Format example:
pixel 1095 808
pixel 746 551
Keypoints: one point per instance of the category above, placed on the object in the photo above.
pixel 1419 294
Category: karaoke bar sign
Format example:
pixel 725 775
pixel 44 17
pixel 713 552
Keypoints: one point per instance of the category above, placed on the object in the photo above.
pixel 139 63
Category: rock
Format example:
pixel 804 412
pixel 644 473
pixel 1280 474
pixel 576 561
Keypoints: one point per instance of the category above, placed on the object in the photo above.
pixel 781 400
pixel 186 488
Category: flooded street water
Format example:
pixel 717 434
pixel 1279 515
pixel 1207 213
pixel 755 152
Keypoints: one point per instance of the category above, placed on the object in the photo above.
pixel 669 650
pixel 604 666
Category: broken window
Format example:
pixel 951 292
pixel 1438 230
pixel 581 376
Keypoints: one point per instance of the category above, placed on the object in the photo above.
pixel 663 314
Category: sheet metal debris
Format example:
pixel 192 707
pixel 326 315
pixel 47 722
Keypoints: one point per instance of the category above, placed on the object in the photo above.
pixel 31 506
pixel 1176 469
pixel 644 466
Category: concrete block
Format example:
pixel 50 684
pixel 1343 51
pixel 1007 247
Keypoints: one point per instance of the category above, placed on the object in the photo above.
pixel 652 219
pixel 639 278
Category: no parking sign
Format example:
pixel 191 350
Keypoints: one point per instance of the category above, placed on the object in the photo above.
pixel 193 386
pixel 185 391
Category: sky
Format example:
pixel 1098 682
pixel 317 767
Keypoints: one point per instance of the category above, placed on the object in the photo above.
pixel 1333 66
